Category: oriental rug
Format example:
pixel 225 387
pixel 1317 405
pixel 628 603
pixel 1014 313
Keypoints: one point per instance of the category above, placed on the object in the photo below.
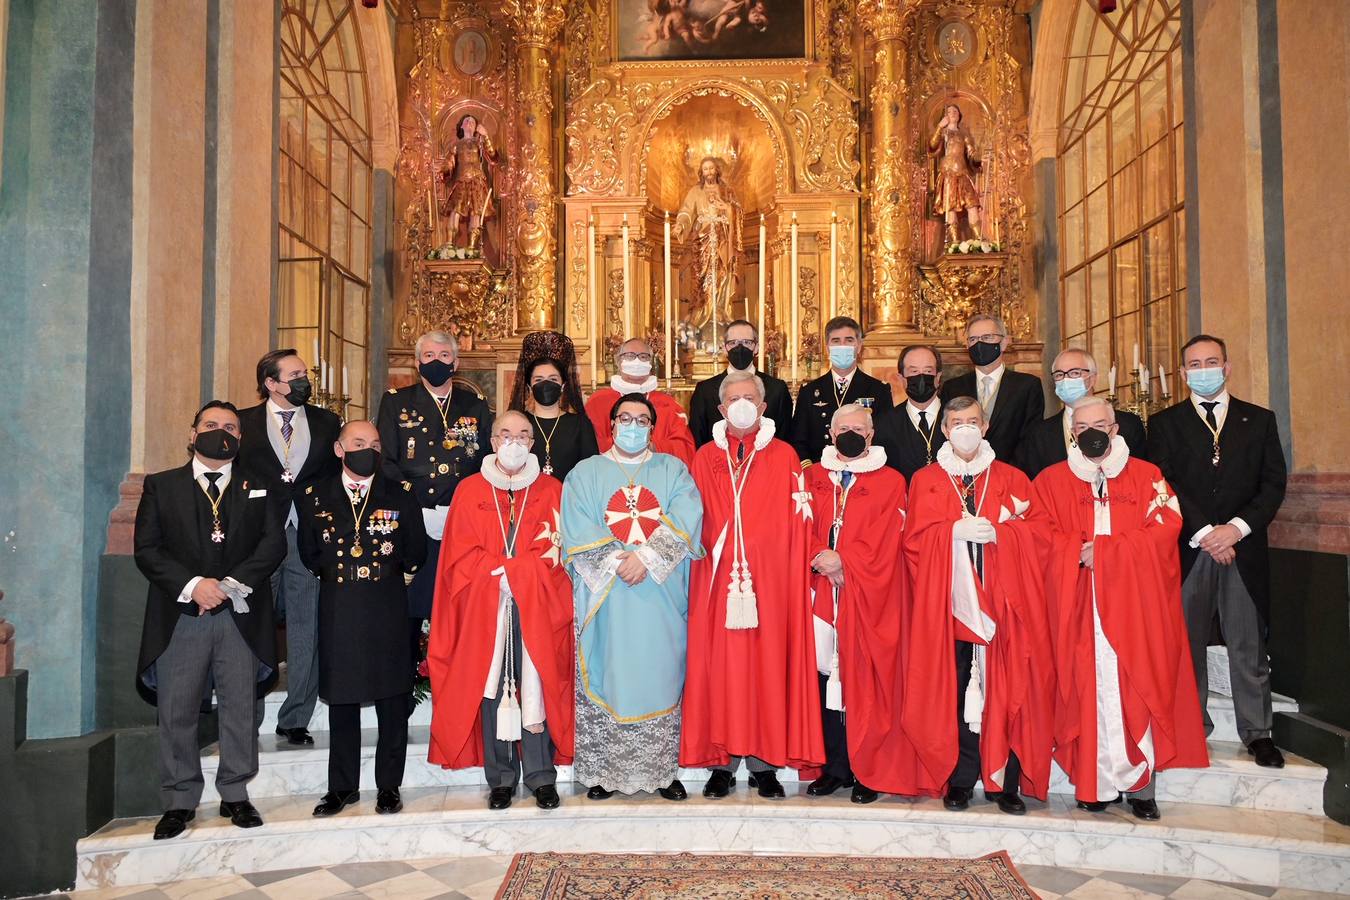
pixel 689 876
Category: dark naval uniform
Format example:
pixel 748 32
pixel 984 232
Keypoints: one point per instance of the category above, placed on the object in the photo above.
pixel 432 448
pixel 364 655
pixel 816 402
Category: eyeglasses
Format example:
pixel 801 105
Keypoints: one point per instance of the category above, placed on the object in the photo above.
pixel 742 342
pixel 626 419
pixel 991 338
pixel 631 357
pixel 1060 375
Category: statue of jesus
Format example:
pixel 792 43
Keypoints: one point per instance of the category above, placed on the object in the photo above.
pixel 712 216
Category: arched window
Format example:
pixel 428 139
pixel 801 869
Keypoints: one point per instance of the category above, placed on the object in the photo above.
pixel 1122 224
pixel 325 196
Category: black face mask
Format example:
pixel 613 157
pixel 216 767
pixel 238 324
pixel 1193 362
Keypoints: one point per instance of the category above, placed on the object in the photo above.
pixel 850 444
pixel 219 444
pixel 299 392
pixel 546 393
pixel 920 388
pixel 1094 443
pixel 983 354
pixel 437 372
pixel 361 462
pixel 740 357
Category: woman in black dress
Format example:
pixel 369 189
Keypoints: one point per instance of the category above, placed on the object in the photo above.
pixel 563 436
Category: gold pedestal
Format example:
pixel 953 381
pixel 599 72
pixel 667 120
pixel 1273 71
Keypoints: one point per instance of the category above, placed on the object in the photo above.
pixel 467 298
pixel 958 286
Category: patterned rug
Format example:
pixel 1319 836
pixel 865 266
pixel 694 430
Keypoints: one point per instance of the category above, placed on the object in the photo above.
pixel 688 876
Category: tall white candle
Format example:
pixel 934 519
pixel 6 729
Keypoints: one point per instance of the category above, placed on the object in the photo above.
pixel 834 265
pixel 670 331
pixel 1111 381
pixel 763 262
pixel 1162 380
pixel 1136 357
pixel 592 307
pixel 796 335
pixel 1143 378
pixel 627 300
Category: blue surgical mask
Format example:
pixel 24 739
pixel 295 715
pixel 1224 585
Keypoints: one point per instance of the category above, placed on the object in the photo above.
pixel 843 355
pixel 1070 389
pixel 1205 382
pixel 632 438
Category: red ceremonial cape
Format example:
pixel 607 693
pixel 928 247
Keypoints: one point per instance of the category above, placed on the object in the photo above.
pixel 753 692
pixel 1020 670
pixel 464 616
pixel 1137 572
pixel 671 433
pixel 870 627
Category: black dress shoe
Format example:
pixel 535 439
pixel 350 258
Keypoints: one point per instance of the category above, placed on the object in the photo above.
pixel 598 793
pixel 1146 809
pixel 172 823
pixel 1266 753
pixel 768 785
pixel 241 814
pixel 388 802
pixel 675 791
pixel 500 797
pixel 335 802
pixel 863 794
pixel 958 798
pixel 546 797
pixel 1010 803
pixel 1096 806
pixel 300 737
pixel 826 785
pixel 719 785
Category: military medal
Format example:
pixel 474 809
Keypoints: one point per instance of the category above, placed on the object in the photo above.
pixel 412 445
pixel 217 535
pixel 548 466
pixel 548 442
pixel 358 551
pixel 1214 460
pixel 287 475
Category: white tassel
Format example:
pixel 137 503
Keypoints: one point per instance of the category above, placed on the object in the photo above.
pixel 508 713
pixel 973 710
pixel 742 612
pixel 834 688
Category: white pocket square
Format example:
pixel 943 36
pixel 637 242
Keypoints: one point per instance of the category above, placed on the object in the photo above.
pixel 253 494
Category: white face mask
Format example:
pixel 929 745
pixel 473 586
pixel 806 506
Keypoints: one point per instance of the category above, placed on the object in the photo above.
pixel 742 413
pixel 966 438
pixel 512 454
pixel 635 368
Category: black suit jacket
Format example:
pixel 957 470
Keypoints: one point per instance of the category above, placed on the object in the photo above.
pixel 1043 443
pixel 906 451
pixel 1248 482
pixel 256 453
pixel 170 552
pixel 1020 404
pixel 816 403
pixel 703 412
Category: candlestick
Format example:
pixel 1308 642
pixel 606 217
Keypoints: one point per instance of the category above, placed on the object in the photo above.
pixel 431 223
pixel 763 261
pixel 627 306
pixel 796 336
pixel 670 333
pixel 834 265
pixel 591 305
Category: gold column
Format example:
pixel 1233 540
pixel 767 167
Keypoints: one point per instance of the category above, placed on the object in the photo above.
pixel 536 24
pixel 891 305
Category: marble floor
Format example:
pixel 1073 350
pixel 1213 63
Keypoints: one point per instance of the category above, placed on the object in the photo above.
pixel 478 879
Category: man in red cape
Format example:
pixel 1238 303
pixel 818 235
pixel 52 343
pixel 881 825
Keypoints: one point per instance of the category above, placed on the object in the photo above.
pixel 1114 589
pixel 979 675
pixel 751 688
pixel 671 433
pixel 860 594
pixel 501 650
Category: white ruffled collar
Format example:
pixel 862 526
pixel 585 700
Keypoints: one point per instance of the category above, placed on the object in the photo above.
pixel 517 482
pixel 957 467
pixel 627 387
pixel 873 459
pixel 1112 465
pixel 762 437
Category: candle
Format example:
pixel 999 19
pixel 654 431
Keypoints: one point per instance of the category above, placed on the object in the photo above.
pixel 796 337
pixel 1111 376
pixel 1143 379
pixel 670 333
pixel 1136 357
pixel 627 306
pixel 763 261
pixel 431 222
pixel 592 307
pixel 1162 379
pixel 834 265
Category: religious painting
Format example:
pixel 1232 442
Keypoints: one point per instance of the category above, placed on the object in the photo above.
pixel 654 30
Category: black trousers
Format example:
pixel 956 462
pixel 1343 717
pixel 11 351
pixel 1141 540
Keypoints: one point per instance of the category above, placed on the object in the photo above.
pixel 967 770
pixel 836 738
pixel 391 748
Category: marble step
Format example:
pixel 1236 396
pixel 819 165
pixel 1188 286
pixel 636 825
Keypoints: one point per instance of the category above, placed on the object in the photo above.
pixel 1232 780
pixel 1279 849
pixel 1225 722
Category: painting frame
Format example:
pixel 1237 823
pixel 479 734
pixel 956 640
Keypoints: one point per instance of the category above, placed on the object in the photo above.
pixel 801 51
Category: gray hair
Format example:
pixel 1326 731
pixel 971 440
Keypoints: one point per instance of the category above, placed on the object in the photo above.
pixel 618 351
pixel 1091 363
pixel 737 378
pixel 434 337
pixel 957 404
pixel 1089 402
pixel 849 409
pixel 501 418
pixel 987 317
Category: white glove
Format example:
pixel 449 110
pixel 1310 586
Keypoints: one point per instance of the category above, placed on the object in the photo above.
pixel 434 521
pixel 976 530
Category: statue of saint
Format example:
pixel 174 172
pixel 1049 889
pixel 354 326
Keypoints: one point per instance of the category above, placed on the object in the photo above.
pixel 468 180
pixel 952 176
pixel 712 216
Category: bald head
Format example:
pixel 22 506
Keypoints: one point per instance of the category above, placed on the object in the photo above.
pixel 359 438
pixel 359 433
pixel 512 419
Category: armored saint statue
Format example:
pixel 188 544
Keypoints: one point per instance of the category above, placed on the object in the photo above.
pixel 712 217
pixel 468 180
pixel 956 162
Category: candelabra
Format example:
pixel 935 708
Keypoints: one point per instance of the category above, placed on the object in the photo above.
pixel 335 403
pixel 1145 403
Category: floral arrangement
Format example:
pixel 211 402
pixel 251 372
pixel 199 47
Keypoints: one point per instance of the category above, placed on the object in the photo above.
pixel 974 246
pixel 422 682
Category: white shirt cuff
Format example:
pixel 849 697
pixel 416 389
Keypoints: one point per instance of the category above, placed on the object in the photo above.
pixel 1200 536
pixel 186 595
pixel 1241 525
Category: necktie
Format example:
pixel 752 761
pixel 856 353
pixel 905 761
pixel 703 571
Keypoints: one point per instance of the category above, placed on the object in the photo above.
pixel 986 388
pixel 969 481
pixel 923 424
pixel 740 450
pixel 846 478
pixel 286 428
pixel 212 490
pixel 1209 413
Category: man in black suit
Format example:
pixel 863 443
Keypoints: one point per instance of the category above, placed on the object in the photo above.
pixel 434 434
pixel 208 537
pixel 1047 442
pixel 740 341
pixel 845 383
pixel 288 444
pixel 911 433
pixel 1012 401
pixel 1222 457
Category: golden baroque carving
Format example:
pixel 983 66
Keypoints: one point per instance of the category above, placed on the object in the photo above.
pixel 577 277
pixel 467 299
pixel 885 19
pixel 535 22
pixel 959 286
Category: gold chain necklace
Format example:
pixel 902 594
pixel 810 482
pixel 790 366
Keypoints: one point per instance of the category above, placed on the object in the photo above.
pixel 548 442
